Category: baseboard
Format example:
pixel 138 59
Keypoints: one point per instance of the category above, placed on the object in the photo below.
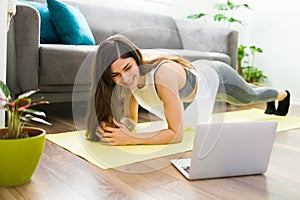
pixel 295 101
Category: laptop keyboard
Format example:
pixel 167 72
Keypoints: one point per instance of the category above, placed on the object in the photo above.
pixel 186 168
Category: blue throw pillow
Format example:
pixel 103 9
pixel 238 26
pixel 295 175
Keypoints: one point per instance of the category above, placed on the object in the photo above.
pixel 70 24
pixel 48 34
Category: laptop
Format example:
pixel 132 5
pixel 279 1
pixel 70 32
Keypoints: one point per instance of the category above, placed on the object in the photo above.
pixel 229 149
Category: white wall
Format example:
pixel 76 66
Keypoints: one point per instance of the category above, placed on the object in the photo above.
pixel 183 8
pixel 157 6
pixel 3 13
pixel 273 26
pixel 276 30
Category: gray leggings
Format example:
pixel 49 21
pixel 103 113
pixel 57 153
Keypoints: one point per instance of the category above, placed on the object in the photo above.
pixel 235 90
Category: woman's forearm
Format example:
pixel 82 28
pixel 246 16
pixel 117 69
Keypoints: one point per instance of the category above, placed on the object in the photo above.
pixel 120 135
pixel 164 136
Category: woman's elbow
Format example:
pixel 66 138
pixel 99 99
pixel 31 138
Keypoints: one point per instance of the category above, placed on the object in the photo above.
pixel 177 137
pixel 177 140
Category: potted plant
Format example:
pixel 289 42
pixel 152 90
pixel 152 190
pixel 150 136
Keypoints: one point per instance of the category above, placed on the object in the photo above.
pixel 225 14
pixel 246 68
pixel 20 146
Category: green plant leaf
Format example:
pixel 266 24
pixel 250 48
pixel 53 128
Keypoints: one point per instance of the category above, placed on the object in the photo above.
pixel 32 118
pixel 255 49
pixel 242 47
pixel 5 90
pixel 231 6
pixel 231 20
pixel 36 119
pixel 34 112
pixel 16 109
pixel 252 49
pixel 220 17
pixel 221 6
pixel 22 104
pixel 259 50
pixel 27 94
pixel 241 53
pixel 196 16
pixel 4 99
pixel 246 6
pixel 39 102
pixel 25 119
pixel 253 74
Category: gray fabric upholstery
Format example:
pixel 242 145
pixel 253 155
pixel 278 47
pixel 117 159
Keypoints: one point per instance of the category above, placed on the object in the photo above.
pixel 23 45
pixel 53 68
pixel 59 63
pixel 203 37
pixel 190 55
pixel 146 30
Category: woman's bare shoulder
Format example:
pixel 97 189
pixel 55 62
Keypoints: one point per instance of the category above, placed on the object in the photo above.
pixel 168 69
pixel 170 72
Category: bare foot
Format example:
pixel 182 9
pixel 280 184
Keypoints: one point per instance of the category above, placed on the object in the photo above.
pixel 282 95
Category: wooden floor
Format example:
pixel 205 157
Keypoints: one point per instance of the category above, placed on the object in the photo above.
pixel 61 175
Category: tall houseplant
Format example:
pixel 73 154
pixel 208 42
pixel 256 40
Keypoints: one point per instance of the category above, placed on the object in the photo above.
pixel 226 15
pixel 21 146
pixel 246 64
pixel 228 11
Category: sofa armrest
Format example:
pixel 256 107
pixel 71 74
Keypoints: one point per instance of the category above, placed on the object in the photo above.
pixel 23 42
pixel 196 35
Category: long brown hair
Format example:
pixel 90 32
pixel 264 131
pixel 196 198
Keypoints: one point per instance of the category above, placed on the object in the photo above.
pixel 109 50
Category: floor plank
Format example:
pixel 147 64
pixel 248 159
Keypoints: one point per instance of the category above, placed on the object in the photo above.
pixel 62 175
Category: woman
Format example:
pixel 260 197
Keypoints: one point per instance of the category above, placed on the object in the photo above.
pixel 161 85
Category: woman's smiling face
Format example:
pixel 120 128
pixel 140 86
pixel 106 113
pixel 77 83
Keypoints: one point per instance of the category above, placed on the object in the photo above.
pixel 125 72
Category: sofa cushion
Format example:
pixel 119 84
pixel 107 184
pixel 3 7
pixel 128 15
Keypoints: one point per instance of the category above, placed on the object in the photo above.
pixel 146 30
pixel 70 24
pixel 59 64
pixel 190 55
pixel 200 36
pixel 48 34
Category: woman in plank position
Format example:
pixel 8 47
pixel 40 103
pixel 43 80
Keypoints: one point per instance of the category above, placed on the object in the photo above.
pixel 181 92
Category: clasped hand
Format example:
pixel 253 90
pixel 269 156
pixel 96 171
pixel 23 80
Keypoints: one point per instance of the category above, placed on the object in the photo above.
pixel 113 133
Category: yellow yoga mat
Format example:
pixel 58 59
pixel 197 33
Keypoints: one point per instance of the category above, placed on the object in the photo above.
pixel 284 122
pixel 115 156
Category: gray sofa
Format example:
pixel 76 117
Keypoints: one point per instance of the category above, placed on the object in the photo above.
pixel 53 67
